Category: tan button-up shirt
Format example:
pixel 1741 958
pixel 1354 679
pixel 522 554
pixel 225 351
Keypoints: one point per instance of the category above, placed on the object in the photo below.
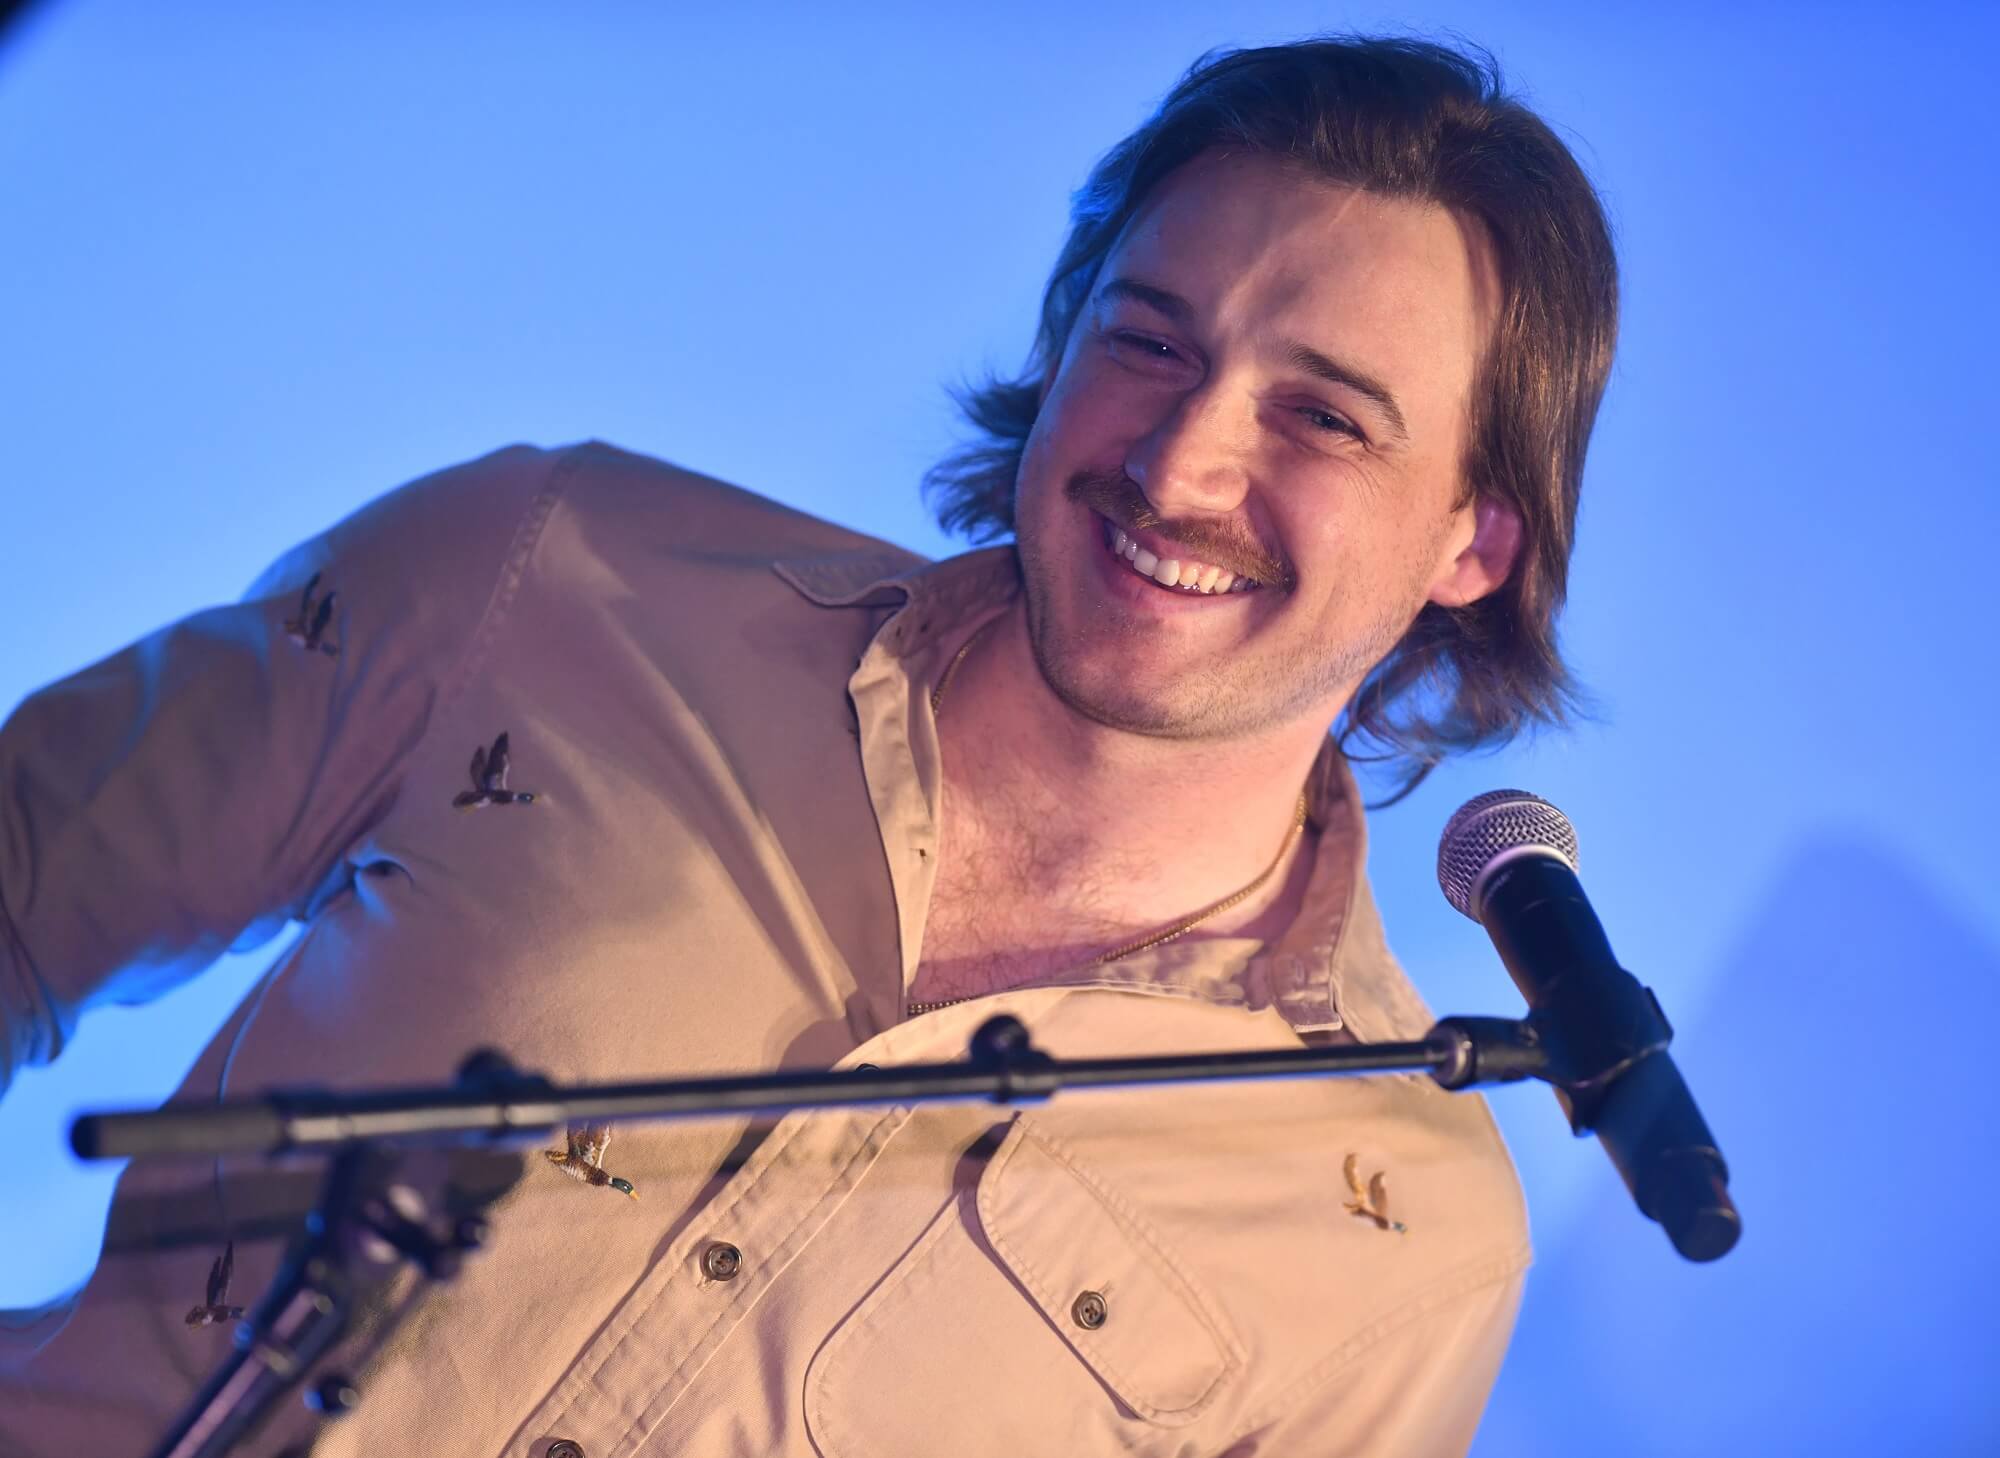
pixel 718 707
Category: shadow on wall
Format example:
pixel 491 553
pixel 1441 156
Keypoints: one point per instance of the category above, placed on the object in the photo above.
pixel 1844 1069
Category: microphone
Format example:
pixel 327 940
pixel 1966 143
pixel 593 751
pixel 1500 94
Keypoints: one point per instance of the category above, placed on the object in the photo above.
pixel 1508 860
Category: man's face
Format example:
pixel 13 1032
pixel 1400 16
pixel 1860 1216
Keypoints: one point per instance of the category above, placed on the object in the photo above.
pixel 1272 378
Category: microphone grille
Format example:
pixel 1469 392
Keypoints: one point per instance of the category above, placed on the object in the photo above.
pixel 1493 827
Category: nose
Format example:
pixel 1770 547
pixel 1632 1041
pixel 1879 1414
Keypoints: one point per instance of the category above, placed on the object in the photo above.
pixel 1193 461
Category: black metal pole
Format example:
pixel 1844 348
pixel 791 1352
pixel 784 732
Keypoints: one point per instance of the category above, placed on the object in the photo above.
pixel 500 1102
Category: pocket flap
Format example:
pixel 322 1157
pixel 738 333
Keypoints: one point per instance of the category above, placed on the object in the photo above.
pixel 1148 1335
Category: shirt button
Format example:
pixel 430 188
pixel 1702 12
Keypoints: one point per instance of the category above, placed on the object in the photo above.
pixel 1088 1310
pixel 564 1448
pixel 721 1261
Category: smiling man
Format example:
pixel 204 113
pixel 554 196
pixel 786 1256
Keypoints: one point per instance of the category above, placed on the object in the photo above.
pixel 1299 447
pixel 1222 529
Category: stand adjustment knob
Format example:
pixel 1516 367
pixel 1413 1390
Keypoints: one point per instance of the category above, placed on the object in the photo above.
pixel 333 1396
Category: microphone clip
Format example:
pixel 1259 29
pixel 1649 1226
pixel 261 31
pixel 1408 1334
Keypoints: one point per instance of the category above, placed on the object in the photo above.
pixel 1573 1048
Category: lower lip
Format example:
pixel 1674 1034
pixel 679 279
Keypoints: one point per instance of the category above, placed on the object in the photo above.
pixel 1122 579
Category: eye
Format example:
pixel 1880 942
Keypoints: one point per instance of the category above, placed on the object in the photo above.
pixel 1141 349
pixel 1327 421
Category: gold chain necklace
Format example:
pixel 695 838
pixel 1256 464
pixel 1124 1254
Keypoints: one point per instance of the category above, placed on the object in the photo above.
pixel 1146 943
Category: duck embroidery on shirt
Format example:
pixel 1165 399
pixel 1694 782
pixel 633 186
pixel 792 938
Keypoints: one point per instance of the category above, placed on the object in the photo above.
pixel 1372 1201
pixel 489 780
pixel 584 1159
pixel 308 629
pixel 213 1311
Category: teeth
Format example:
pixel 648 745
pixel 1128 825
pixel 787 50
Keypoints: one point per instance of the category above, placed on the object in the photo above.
pixel 1172 572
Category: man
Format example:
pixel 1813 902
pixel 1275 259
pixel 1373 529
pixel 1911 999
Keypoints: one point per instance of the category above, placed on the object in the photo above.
pixel 1300 442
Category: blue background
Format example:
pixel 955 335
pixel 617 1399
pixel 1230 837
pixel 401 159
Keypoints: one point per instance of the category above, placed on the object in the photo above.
pixel 258 263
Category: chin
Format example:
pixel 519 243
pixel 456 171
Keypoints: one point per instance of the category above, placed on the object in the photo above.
pixel 1165 667
pixel 1092 674
pixel 1111 704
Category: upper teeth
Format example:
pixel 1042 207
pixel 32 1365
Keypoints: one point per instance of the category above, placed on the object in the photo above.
pixel 1171 572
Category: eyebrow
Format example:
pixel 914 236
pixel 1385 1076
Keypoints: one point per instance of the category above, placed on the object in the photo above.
pixel 1300 356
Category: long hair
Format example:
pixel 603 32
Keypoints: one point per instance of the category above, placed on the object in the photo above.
pixel 1413 120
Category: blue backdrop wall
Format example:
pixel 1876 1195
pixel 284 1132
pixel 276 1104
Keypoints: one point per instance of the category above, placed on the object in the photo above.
pixel 259 263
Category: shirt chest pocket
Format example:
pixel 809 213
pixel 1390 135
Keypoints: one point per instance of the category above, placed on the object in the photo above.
pixel 1036 1314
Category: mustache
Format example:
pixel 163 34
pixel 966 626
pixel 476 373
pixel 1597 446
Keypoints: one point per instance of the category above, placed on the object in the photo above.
pixel 1115 495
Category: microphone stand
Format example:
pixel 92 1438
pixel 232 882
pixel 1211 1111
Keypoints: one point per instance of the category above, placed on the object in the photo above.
pixel 364 1216
pixel 363 1219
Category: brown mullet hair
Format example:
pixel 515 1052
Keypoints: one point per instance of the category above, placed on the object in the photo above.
pixel 1414 120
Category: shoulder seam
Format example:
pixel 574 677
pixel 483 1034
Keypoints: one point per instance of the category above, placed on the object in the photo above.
pixel 513 568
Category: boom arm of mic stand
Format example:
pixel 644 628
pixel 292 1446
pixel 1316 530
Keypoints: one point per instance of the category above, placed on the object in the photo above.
pixel 1004 1066
pixel 493 1101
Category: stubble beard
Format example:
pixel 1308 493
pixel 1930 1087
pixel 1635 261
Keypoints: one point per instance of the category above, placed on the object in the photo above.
pixel 1248 694
pixel 1236 695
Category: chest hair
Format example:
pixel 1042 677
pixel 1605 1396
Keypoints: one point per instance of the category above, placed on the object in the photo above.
pixel 1007 908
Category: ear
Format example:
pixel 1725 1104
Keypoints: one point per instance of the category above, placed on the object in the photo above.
pixel 1485 557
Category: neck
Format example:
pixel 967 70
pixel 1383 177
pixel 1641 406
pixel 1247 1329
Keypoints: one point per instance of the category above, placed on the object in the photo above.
pixel 1185 822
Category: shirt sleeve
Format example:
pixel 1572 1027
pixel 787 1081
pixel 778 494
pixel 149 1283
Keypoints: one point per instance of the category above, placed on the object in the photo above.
pixel 194 791
pixel 1416 1392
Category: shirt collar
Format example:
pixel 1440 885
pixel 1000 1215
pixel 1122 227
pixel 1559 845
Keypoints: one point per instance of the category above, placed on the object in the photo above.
pixel 1332 968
